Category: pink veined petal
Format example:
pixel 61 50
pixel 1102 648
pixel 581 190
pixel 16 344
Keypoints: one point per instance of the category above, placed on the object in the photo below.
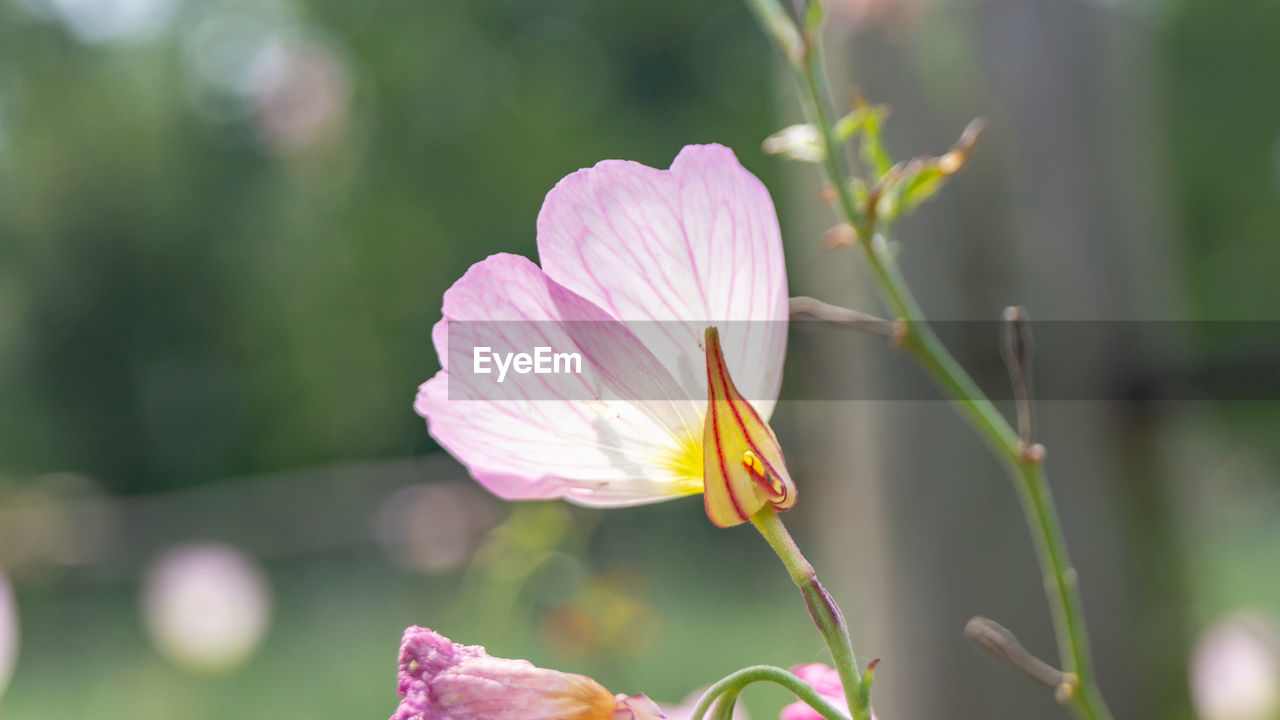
pixel 545 438
pixel 694 245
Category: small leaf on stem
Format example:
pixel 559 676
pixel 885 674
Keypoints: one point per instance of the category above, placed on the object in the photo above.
pixel 1002 645
pixel 1016 348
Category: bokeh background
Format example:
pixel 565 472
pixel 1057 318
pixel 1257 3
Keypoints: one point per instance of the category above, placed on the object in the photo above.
pixel 225 227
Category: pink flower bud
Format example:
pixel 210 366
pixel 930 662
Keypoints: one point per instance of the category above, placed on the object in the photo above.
pixel 441 680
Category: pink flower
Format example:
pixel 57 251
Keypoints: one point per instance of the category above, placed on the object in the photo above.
pixel 441 680
pixel 637 263
pixel 826 681
pixel 8 632
pixel 636 707
pixel 1235 669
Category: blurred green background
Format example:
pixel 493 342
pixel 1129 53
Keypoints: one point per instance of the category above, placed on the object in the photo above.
pixel 225 228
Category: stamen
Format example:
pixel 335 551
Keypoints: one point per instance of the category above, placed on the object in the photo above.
pixel 756 467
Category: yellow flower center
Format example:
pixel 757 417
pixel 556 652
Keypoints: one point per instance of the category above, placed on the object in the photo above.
pixel 685 463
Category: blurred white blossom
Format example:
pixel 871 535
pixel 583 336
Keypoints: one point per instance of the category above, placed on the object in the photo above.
pixel 107 21
pixel 1235 669
pixel 206 606
pixel 797 142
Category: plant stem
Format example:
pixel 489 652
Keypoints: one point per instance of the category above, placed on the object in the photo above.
pixel 826 614
pixel 1024 467
pixel 1026 470
pixel 723 709
pixel 730 686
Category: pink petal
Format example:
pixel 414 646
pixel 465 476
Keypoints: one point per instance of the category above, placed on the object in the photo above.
pixel 691 246
pixel 441 680
pixel 823 678
pixel 826 681
pixel 637 707
pixel 596 439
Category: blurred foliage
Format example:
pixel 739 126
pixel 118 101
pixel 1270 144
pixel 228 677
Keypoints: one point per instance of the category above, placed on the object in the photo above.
pixel 1224 120
pixel 1220 63
pixel 180 299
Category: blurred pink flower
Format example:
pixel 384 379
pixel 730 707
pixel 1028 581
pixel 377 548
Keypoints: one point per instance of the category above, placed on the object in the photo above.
pixel 847 15
pixel 206 605
pixel 301 91
pixel 441 680
pixel 627 251
pixel 8 632
pixel 826 681
pixel 1235 669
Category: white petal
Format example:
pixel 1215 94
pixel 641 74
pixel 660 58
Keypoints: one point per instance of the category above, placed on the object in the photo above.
pixel 687 247
pixel 581 437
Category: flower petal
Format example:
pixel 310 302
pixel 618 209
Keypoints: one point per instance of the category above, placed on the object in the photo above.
pixel 690 246
pixel 580 437
pixel 637 707
pixel 441 680
pixel 743 465
pixel 826 680
pixel 8 631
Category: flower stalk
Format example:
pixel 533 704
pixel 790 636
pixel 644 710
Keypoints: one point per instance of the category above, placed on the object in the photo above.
pixel 826 615
pixel 1023 462
pixel 728 688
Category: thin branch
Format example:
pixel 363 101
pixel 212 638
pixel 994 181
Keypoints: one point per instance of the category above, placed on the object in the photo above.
pixel 1017 347
pixel 735 682
pixel 1002 645
pixel 816 309
pixel 916 336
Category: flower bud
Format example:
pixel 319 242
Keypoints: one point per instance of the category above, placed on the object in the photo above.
pixel 442 680
pixel 743 467
pixel 795 142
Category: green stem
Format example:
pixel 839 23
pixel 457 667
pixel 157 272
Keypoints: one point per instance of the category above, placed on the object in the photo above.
pixel 723 708
pixel 826 615
pixel 1024 467
pixel 730 686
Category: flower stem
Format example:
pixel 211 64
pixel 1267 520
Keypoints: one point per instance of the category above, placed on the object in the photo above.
pixel 826 614
pixel 728 688
pixel 1024 466
pixel 723 709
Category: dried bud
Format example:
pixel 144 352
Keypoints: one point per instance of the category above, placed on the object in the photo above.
pixel 840 236
pixel 1001 645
